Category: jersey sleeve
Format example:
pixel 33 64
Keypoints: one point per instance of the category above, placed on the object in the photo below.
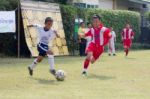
pixel 132 34
pixel 89 33
pixel 53 34
pixel 114 34
pixel 37 26
pixel 122 34
pixel 107 36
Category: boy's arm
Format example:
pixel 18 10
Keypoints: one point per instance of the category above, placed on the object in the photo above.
pixel 88 34
pixel 30 25
pixel 33 25
pixel 57 35
pixel 132 35
pixel 122 34
pixel 107 36
pixel 115 36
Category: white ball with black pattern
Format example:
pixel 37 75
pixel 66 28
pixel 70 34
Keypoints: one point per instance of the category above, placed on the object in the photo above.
pixel 60 75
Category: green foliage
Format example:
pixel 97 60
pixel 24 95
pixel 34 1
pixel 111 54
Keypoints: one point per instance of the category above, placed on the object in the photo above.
pixel 68 15
pixel 8 4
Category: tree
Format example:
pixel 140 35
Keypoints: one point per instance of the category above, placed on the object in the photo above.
pixel 8 4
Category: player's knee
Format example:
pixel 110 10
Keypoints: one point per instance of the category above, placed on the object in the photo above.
pixel 88 57
pixel 50 53
pixel 92 61
pixel 39 60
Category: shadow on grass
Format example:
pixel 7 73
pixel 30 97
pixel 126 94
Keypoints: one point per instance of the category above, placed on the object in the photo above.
pixel 130 58
pixel 45 81
pixel 100 77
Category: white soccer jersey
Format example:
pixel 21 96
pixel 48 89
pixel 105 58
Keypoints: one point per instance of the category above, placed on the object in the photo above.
pixel 113 36
pixel 111 44
pixel 88 38
pixel 45 36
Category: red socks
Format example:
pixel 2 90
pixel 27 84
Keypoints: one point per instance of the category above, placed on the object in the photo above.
pixel 86 63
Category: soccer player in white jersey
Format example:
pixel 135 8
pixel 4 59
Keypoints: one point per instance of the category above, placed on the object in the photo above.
pixel 46 34
pixel 111 43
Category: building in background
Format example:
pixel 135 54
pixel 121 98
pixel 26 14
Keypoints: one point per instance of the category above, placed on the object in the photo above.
pixel 104 4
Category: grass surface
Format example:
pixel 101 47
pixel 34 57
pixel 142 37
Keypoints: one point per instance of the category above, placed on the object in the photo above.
pixel 109 78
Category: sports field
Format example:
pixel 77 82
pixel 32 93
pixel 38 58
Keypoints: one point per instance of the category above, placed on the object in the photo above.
pixel 109 78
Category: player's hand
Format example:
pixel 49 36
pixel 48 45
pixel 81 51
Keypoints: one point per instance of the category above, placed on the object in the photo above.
pixel 132 37
pixel 29 25
pixel 110 35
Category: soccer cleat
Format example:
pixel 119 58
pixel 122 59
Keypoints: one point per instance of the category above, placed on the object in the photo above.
pixel 84 73
pixel 53 72
pixel 30 71
pixel 109 54
pixel 114 54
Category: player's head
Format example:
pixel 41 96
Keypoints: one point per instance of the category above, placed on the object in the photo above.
pixel 48 22
pixel 82 24
pixel 128 25
pixel 89 25
pixel 96 20
pixel 111 28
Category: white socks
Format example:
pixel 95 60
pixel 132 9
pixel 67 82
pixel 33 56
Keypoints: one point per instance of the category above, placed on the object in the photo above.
pixel 33 65
pixel 51 61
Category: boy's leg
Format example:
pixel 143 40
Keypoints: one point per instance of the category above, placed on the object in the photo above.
pixel 127 46
pixel 126 50
pixel 33 65
pixel 113 49
pixel 109 49
pixel 91 57
pixel 87 60
pixel 51 62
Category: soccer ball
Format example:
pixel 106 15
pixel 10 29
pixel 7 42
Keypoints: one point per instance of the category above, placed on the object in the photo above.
pixel 60 75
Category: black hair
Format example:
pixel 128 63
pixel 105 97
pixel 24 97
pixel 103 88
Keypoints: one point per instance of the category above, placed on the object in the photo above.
pixel 95 16
pixel 88 23
pixel 81 23
pixel 48 19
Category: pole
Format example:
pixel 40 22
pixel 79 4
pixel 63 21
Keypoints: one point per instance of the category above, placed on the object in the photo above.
pixel 18 28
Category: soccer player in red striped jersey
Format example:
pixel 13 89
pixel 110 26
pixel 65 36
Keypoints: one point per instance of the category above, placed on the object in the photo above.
pixel 127 36
pixel 100 37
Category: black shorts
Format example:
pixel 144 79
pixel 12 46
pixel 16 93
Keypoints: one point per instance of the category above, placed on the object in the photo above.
pixel 42 49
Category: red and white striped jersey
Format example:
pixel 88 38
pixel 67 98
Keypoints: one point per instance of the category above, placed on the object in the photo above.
pixel 100 36
pixel 127 33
